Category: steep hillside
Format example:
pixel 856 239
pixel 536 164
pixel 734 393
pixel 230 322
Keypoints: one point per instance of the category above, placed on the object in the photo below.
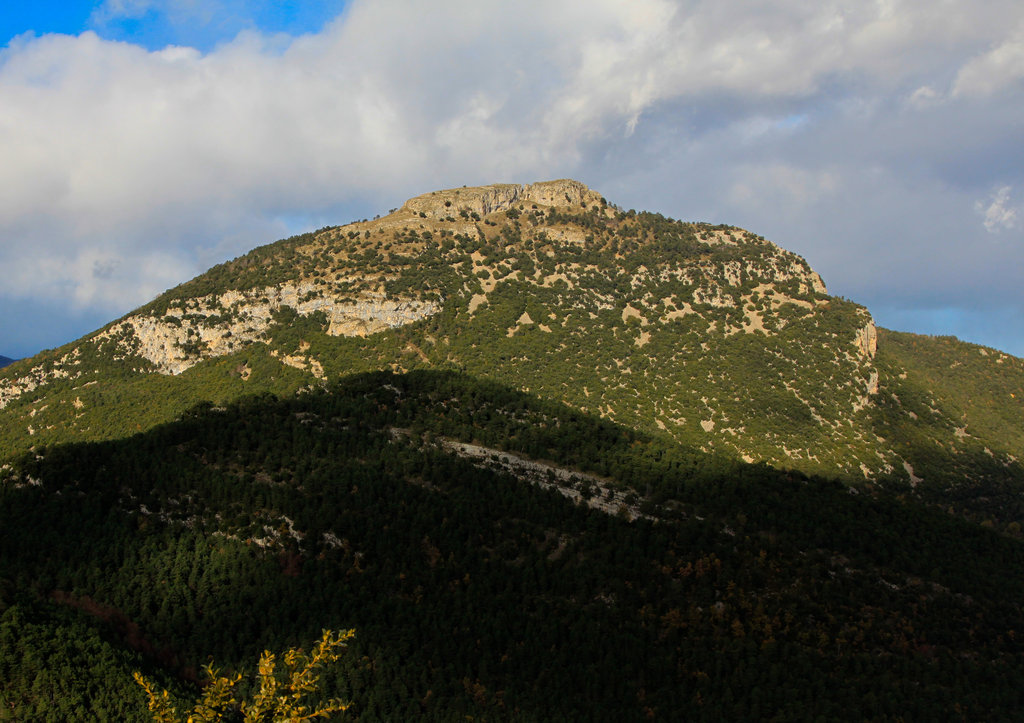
pixel 709 335
pixel 502 557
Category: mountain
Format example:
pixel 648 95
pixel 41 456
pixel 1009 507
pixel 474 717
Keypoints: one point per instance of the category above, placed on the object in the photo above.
pixel 4 361
pixel 552 459
pixel 710 335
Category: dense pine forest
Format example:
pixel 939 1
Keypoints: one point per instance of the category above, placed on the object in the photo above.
pixel 719 589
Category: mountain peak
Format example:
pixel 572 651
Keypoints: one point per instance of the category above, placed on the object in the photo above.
pixel 483 200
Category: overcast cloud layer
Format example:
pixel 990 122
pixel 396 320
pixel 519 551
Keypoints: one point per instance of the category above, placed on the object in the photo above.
pixel 883 141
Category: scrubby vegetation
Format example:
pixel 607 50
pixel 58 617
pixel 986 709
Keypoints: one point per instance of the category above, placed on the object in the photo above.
pixel 644 319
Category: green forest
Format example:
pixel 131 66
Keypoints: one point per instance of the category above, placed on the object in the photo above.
pixel 737 591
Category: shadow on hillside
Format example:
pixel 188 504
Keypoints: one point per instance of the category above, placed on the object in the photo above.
pixel 254 525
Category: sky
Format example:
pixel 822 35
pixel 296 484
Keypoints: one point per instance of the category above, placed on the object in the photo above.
pixel 143 141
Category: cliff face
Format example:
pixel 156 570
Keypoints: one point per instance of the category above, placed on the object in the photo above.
pixel 867 340
pixel 218 325
pixel 484 200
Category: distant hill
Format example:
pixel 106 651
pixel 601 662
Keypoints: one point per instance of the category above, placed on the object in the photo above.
pixel 4 361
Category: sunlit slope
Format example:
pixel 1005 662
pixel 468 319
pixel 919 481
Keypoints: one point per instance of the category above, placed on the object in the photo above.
pixel 709 335
pixel 955 412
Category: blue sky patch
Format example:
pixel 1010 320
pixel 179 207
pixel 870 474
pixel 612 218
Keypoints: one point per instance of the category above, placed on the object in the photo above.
pixel 155 24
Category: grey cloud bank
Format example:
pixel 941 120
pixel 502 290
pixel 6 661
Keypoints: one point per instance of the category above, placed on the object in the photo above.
pixel 881 141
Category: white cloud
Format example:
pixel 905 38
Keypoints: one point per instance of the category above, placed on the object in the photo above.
pixel 110 9
pixel 993 71
pixel 146 166
pixel 924 98
pixel 998 214
pixel 93 276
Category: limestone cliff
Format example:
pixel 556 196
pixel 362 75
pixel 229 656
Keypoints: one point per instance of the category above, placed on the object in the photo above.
pixel 484 200
pixel 217 325
pixel 867 340
pixel 866 345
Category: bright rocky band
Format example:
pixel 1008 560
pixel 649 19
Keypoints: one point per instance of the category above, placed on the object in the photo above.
pixel 550 458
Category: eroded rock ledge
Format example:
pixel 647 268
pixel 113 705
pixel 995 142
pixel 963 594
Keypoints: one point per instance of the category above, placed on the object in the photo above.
pixel 214 326
pixel 483 200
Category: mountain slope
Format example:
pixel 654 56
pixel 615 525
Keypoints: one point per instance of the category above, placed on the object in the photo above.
pixel 631 315
pixel 477 589
pixel 957 411
pixel 5 361
pixel 712 336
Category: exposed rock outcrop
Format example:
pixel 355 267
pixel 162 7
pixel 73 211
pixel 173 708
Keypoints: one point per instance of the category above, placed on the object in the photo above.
pixel 866 344
pixel 374 314
pixel 867 340
pixel 483 200
pixel 38 375
pixel 217 325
